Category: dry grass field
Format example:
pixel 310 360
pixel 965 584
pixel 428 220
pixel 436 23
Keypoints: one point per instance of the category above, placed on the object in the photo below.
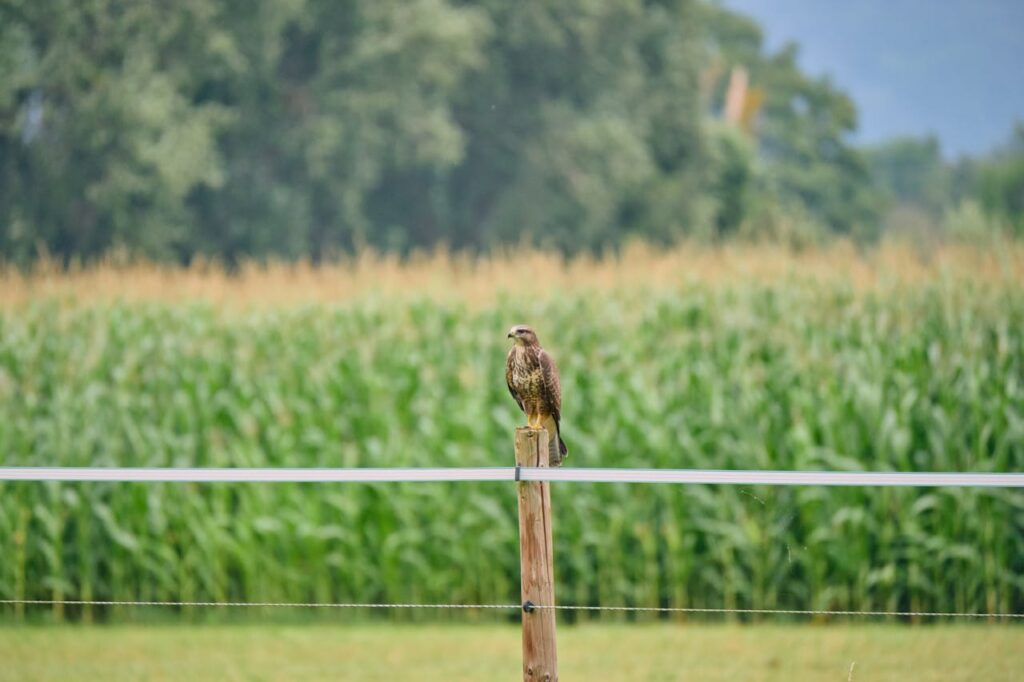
pixel 533 274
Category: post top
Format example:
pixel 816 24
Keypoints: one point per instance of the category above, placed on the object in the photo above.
pixel 532 447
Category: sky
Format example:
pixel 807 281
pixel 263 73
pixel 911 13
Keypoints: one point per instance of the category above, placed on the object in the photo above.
pixel 953 68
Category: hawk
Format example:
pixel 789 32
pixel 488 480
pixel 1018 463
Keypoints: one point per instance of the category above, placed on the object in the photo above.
pixel 532 380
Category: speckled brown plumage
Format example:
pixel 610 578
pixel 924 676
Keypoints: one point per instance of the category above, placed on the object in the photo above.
pixel 532 379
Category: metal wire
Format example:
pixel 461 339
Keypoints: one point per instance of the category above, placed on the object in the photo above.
pixel 791 612
pixel 251 604
pixel 567 607
pixel 734 477
pixel 568 474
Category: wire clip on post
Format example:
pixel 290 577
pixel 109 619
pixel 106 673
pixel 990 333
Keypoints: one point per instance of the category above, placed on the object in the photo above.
pixel 528 606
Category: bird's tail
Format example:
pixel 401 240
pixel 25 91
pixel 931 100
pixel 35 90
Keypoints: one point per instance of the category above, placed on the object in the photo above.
pixel 557 453
pixel 556 446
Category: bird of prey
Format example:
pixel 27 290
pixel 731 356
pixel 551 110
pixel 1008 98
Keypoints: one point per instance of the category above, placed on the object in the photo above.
pixel 533 381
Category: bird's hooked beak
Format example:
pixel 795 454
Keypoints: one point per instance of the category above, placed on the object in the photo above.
pixel 520 335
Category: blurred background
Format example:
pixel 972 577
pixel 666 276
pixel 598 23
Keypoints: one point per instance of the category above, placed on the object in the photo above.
pixel 307 129
pixel 754 235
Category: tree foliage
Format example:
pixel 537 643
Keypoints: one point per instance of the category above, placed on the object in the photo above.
pixel 308 127
pixel 1000 183
pixel 971 196
pixel 912 171
pixel 802 127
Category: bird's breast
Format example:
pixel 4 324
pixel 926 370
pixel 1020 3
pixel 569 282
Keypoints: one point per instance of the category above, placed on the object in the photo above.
pixel 527 378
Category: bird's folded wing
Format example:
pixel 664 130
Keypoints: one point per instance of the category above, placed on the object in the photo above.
pixel 552 386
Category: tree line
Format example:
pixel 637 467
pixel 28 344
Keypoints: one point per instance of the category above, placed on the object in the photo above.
pixel 967 198
pixel 248 129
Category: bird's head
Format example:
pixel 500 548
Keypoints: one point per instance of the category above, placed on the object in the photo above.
pixel 522 335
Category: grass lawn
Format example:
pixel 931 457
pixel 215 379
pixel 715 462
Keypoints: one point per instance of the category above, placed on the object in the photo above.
pixel 652 652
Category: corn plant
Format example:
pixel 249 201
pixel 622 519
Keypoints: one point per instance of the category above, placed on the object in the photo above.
pixel 785 374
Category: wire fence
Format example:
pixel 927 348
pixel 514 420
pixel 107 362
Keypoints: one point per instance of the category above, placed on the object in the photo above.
pixel 561 474
pixel 515 607
pixel 455 474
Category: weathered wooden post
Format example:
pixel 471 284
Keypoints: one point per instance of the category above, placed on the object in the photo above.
pixel 540 661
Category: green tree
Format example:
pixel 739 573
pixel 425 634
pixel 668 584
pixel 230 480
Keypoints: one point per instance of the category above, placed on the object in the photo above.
pixel 583 127
pixel 1000 183
pixel 802 126
pixel 731 178
pixel 101 132
pixel 332 98
pixel 258 128
pixel 234 128
pixel 912 171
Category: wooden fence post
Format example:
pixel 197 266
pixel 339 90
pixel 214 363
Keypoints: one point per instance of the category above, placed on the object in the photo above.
pixel 540 661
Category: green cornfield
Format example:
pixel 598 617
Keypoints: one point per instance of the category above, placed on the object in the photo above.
pixel 785 374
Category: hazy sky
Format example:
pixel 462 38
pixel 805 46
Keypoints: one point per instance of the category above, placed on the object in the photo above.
pixel 954 68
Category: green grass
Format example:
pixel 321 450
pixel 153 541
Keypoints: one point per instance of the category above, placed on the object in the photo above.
pixel 786 374
pixel 639 653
